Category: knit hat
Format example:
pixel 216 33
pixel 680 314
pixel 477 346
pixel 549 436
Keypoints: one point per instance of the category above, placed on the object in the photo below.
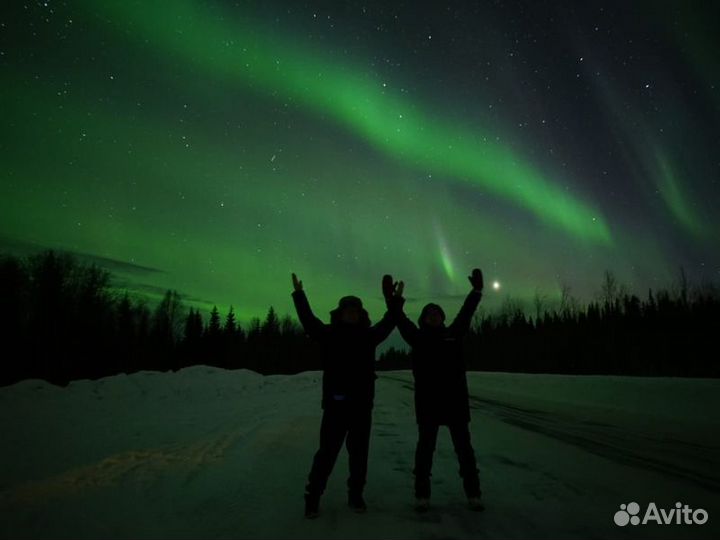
pixel 346 302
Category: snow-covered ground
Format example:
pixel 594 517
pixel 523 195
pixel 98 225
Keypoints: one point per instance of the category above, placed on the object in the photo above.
pixel 207 453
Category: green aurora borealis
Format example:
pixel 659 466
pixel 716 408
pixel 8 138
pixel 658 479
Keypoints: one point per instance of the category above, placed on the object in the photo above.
pixel 214 148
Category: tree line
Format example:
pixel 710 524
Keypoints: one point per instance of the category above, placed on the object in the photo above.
pixel 668 333
pixel 61 320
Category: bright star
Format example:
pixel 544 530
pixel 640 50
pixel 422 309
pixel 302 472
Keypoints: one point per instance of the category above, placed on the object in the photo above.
pixel 496 285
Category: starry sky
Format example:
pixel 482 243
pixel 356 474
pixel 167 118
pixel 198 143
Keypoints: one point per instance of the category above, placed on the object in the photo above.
pixel 214 147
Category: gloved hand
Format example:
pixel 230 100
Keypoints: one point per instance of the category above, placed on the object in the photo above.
pixel 392 291
pixel 388 288
pixel 297 284
pixel 396 300
pixel 476 280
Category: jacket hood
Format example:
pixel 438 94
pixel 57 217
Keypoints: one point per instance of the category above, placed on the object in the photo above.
pixel 421 319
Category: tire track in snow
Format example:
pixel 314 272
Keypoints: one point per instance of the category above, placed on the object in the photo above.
pixel 668 456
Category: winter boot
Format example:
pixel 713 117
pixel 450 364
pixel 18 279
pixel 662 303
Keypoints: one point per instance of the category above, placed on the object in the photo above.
pixel 356 501
pixel 475 504
pixel 312 505
pixel 422 504
pixel 471 483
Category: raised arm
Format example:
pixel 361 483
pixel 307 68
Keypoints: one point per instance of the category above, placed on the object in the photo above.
pixel 313 326
pixel 407 328
pixel 462 321
pixel 382 329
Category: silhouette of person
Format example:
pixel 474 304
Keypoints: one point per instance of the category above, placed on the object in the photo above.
pixel 441 392
pixel 348 388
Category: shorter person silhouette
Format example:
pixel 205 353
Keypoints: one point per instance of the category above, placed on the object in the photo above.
pixel 441 392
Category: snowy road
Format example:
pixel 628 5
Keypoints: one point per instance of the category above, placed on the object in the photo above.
pixel 687 461
pixel 205 453
pixel 682 459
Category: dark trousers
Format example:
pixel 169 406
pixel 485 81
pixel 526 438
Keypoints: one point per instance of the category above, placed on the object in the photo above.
pixel 427 438
pixel 342 423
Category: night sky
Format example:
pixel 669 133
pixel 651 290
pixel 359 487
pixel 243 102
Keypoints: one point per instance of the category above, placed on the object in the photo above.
pixel 214 147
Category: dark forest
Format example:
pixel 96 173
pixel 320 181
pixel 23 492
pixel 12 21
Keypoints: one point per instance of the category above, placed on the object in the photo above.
pixel 62 320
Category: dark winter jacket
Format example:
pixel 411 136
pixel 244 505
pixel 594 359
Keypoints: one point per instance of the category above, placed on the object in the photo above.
pixel 349 353
pixel 441 392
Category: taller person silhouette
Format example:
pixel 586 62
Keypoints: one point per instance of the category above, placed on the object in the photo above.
pixel 348 388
